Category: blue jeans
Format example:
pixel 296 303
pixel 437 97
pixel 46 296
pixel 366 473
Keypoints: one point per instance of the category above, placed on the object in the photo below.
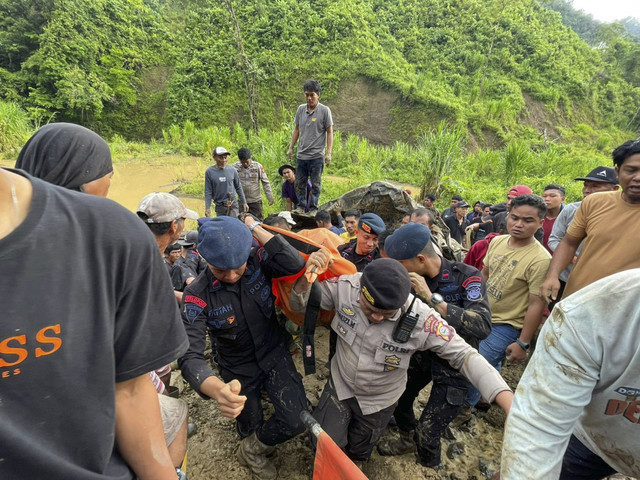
pixel 493 349
pixel 309 170
pixel 580 463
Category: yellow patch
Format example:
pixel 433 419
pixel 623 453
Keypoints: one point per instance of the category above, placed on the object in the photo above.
pixel 368 296
pixel 392 359
pixel 313 119
pixel 342 330
pixel 348 311
pixel 389 368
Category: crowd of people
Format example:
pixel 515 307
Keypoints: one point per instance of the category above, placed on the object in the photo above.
pixel 97 304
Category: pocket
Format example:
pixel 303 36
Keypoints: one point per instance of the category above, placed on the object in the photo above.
pixel 391 361
pixel 345 333
pixel 456 396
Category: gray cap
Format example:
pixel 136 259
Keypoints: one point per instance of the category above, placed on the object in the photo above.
pixel 163 207
pixel 288 217
pixel 221 151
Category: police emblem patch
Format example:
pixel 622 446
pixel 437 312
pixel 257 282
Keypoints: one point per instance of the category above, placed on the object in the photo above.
pixel 342 330
pixel 191 312
pixel 392 360
pixel 231 319
pixel 472 286
pixel 439 328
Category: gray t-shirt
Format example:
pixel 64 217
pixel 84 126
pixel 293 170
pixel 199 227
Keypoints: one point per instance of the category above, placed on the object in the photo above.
pixel 313 131
pixel 219 183
pixel 86 302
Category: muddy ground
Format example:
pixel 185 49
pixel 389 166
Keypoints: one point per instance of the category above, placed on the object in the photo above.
pixel 212 449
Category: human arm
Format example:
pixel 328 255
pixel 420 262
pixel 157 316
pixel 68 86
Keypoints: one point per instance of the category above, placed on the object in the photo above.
pixel 240 191
pixel 266 185
pixel 294 139
pixel 562 256
pixel 533 317
pixel 551 396
pixel 327 157
pixel 139 434
pixel 208 193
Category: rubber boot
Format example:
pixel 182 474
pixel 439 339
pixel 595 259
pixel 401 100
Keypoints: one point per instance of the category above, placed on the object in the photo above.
pixel 398 446
pixel 253 453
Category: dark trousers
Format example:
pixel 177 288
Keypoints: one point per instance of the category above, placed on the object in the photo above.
pixel 221 210
pixel 580 463
pixel 283 385
pixel 312 170
pixel 345 423
pixel 447 396
pixel 255 209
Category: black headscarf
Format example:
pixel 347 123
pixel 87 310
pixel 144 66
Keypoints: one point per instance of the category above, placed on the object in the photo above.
pixel 66 154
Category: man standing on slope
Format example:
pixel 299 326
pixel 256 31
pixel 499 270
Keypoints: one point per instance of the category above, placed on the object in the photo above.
pixel 314 127
pixel 221 183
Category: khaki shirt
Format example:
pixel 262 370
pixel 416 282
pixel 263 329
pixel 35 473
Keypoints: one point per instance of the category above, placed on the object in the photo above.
pixel 250 179
pixel 371 367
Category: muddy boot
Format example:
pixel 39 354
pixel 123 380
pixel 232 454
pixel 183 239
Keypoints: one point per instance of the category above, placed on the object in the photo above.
pixel 398 446
pixel 253 453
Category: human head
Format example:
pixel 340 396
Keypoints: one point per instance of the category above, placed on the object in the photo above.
pixel 384 288
pixel 312 91
pixel 323 219
pixel 429 200
pixel 370 226
pixel 406 218
pixel 225 243
pixel 244 155
pixel 70 156
pixel 277 221
pixel 220 155
pixel 517 191
pixel 411 245
pixel 600 179
pixel 164 214
pixel 423 216
pixel 288 172
pixel 478 207
pixel 172 253
pixel 188 239
pixel 454 201
pixel 486 209
pixel 526 214
pixel 351 218
pixel 461 208
pixel 627 161
pixel 553 196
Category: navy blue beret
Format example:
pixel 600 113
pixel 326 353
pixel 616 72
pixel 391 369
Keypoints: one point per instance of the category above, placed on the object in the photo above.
pixel 371 223
pixel 407 241
pixel 225 242
pixel 385 283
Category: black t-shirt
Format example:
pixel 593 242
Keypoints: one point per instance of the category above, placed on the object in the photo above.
pixel 86 302
pixel 457 229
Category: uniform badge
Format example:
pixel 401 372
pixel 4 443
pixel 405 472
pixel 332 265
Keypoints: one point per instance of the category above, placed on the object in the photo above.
pixel 438 327
pixel 366 228
pixel 392 360
pixel 348 311
pixel 368 296
pixel 389 368
pixel 231 319
pixel 342 330
pixel 473 287
pixel 191 312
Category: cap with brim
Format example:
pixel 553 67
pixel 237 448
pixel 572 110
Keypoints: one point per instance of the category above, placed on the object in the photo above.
pixel 221 151
pixel 407 241
pixel 288 217
pixel 371 223
pixel 385 284
pixel 184 240
pixel 163 207
pixel 462 204
pixel 601 174
pixel 225 242
pixel 286 165
pixel 519 190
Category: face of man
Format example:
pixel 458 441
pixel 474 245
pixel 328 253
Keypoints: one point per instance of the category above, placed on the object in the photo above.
pixel 246 163
pixel 351 224
pixel 288 175
pixel 487 211
pixel 454 203
pixel 373 314
pixel 424 220
pixel 477 208
pixel 312 99
pixel 228 276
pixel 221 160
pixel 523 222
pixel 509 198
pixel 427 203
pixel 406 219
pixel 172 256
pixel 179 226
pixel 366 242
pixel 462 211
pixel 552 198
pixel 590 187
pixel 629 178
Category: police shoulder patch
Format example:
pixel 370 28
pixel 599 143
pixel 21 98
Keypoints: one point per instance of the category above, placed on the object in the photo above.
pixel 438 327
pixel 191 312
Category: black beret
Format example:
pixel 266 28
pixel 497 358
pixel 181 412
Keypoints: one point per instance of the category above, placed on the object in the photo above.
pixel 407 241
pixel 385 283
pixel 371 223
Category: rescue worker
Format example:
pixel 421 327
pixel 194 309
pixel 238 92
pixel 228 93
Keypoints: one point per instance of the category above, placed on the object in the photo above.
pixel 380 325
pixel 364 248
pixel 458 293
pixel 193 261
pixel 233 301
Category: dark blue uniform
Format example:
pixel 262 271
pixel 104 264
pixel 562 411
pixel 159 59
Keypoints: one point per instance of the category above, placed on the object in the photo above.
pixel 348 251
pixel 464 290
pixel 251 347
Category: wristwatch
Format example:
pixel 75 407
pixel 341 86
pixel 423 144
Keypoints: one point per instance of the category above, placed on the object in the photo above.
pixel 522 345
pixel 436 299
pixel 254 225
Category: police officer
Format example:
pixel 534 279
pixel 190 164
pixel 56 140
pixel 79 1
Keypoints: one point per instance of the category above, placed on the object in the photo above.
pixel 458 293
pixel 193 261
pixel 363 249
pixel 233 301
pixel 380 325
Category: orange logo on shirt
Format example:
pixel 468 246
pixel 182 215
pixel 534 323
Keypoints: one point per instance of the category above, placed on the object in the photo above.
pixel 15 350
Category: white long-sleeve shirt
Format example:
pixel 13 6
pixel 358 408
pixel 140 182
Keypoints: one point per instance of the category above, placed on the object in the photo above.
pixel 584 378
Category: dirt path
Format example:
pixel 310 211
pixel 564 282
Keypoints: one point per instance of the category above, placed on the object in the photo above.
pixel 212 448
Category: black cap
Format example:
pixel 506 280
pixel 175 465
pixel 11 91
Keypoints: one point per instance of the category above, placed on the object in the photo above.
pixel 456 197
pixel 601 174
pixel 286 165
pixel 385 283
pixel 462 204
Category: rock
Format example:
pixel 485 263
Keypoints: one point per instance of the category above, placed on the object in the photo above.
pixel 455 449
pixel 485 468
